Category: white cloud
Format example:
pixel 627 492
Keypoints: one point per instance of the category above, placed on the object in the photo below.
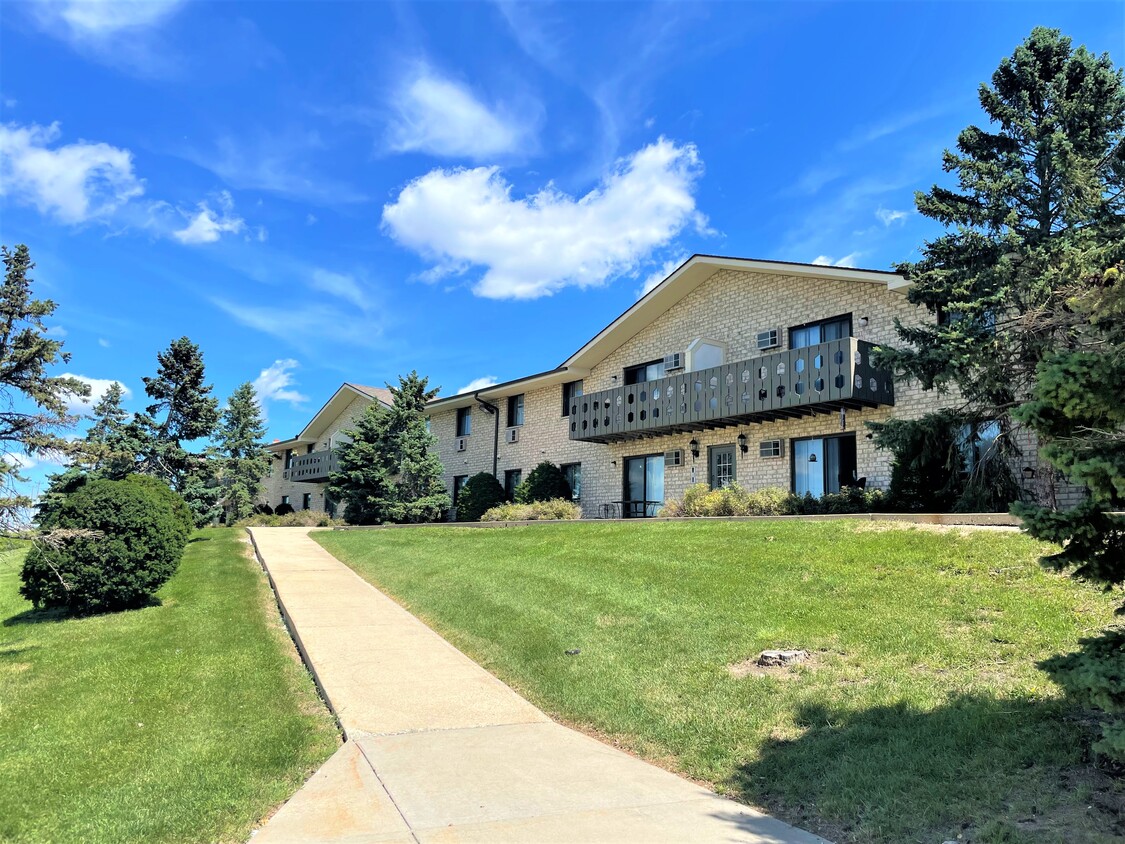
pixel 443 117
pixel 104 343
pixel 540 244
pixel 341 285
pixel 478 384
pixel 887 216
pixel 56 331
pixel 306 327
pixel 848 260
pixel 660 274
pixel 99 19
pixel 18 459
pixel 310 220
pixel 209 225
pixel 98 387
pixel 274 383
pixel 75 182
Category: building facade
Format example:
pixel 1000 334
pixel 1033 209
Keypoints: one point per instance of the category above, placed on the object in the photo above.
pixel 730 370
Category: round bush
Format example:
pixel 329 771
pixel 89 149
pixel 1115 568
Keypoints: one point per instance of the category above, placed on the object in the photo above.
pixel 161 490
pixel 283 509
pixel 545 483
pixel 480 494
pixel 141 540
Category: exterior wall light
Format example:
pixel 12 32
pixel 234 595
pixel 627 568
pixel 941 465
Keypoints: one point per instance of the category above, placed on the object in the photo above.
pixel 694 446
pixel 863 322
pixel 742 446
pixel 1028 473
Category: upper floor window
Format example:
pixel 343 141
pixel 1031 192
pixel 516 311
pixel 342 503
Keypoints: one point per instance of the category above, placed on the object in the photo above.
pixel 515 410
pixel 644 372
pixel 820 332
pixel 704 354
pixel 464 421
pixel 429 425
pixel 570 391
pixel 288 458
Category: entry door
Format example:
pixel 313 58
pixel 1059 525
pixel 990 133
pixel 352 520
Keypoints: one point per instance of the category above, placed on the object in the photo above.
pixel 808 467
pixel 721 468
pixel 644 486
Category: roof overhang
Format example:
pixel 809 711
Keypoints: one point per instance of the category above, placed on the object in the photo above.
pixel 332 409
pixel 691 274
pixel 508 388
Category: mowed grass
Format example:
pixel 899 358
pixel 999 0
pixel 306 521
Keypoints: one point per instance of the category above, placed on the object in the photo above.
pixel 921 715
pixel 187 721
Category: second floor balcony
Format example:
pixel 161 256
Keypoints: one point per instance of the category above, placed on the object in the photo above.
pixel 311 468
pixel 823 378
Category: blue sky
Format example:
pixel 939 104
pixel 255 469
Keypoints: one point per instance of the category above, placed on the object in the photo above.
pixel 345 191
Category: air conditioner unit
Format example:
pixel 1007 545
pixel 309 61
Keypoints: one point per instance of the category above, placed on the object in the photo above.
pixel 673 458
pixel 461 443
pixel 768 339
pixel 673 361
pixel 512 435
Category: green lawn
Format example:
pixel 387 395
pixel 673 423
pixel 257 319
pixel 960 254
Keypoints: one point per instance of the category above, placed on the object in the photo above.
pixel 921 715
pixel 187 721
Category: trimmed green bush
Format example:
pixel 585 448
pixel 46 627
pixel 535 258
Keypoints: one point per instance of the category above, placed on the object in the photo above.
pixel 139 539
pixel 299 518
pixel 559 509
pixel 480 493
pixel 702 501
pixel 284 509
pixel 160 489
pixel 545 483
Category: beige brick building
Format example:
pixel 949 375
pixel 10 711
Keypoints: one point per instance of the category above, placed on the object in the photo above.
pixel 729 370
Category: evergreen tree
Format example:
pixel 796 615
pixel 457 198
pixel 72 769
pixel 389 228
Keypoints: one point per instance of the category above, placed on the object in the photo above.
pixel 1045 180
pixel 389 471
pixel 33 404
pixel 187 413
pixel 245 461
pixel 111 445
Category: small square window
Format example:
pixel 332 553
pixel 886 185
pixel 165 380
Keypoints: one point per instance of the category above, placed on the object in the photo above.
pixel 769 448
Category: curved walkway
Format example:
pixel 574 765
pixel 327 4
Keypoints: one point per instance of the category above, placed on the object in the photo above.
pixel 439 750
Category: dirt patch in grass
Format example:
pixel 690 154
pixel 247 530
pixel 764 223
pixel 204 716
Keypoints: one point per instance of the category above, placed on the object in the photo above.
pixel 753 667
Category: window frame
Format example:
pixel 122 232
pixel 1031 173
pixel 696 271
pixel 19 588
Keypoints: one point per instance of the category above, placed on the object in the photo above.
pixel 465 415
pixel 644 366
pixel 306 501
pixel 516 405
pixel 568 395
pixel 459 482
pixel 510 488
pixel 575 495
pixel 847 318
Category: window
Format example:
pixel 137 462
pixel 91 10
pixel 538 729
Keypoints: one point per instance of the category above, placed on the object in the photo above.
pixel 570 392
pixel 644 372
pixel 285 499
pixel 769 448
pixel 820 332
pixel 464 421
pixel 306 503
pixel 458 485
pixel 644 486
pixel 288 458
pixel 309 448
pixel 704 354
pixel 977 442
pixel 515 410
pixel 573 474
pixel 512 478
pixel 823 464
pixel 429 425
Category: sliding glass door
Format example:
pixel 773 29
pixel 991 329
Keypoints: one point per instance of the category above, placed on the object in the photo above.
pixel 823 464
pixel 644 486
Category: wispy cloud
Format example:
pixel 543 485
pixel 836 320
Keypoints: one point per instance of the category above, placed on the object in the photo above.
pixel 892 125
pixel 307 326
pixel 538 245
pixel 847 261
pixel 207 225
pixel 887 216
pixel 661 273
pixel 275 383
pixel 73 182
pixel 434 114
pixel 98 387
pixel 478 384
pixel 340 285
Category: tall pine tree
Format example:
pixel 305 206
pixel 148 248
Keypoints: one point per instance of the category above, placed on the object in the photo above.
pixel 389 471
pixel 1043 181
pixel 240 448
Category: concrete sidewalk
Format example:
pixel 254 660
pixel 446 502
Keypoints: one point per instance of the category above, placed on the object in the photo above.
pixel 439 750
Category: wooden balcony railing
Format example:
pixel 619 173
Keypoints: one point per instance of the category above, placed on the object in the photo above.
pixel 312 468
pixel 798 382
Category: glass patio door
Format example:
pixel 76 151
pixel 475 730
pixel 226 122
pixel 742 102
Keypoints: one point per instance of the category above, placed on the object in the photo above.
pixel 644 486
pixel 808 467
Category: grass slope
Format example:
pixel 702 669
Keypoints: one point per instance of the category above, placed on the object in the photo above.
pixel 922 714
pixel 186 721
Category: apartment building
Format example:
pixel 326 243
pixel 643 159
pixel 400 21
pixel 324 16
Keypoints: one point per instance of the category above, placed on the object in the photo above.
pixel 729 370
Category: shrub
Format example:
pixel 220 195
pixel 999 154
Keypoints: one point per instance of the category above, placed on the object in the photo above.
pixel 284 509
pixel 545 483
pixel 137 547
pixel 298 518
pixel 263 509
pixel 481 492
pixel 559 509
pixel 702 501
pixel 1094 675
pixel 161 490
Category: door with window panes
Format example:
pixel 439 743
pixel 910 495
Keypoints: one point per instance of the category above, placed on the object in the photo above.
pixel 720 459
